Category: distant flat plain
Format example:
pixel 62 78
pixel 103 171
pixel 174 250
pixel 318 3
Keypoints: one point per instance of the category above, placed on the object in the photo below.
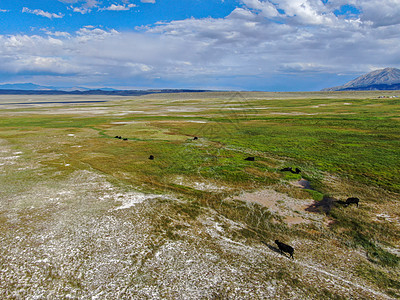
pixel 84 214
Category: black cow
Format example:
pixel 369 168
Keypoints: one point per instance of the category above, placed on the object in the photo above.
pixel 125 139
pixel 285 248
pixel 287 169
pixel 352 200
pixel 250 158
pixel 195 138
pixel 151 157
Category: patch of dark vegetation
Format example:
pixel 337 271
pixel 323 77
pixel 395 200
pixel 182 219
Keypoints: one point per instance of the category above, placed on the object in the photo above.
pixel 375 253
pixel 259 223
pixel 357 230
pixel 384 279
pixel 317 196
pixel 190 209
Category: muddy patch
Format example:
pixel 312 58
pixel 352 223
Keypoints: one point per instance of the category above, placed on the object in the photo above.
pixel 292 210
pixel 302 183
pixel 323 206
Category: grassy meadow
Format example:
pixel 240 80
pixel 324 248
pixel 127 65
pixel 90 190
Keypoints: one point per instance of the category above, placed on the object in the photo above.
pixel 86 215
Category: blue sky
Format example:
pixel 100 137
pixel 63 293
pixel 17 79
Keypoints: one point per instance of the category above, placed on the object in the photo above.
pixel 280 45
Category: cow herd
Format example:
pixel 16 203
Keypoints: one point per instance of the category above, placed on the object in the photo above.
pixel 283 248
pixel 120 137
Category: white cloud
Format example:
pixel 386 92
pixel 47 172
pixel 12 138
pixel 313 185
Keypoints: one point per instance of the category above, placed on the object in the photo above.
pixel 90 33
pixel 84 7
pixel 4 10
pixel 266 8
pixel 148 1
pixel 69 1
pixel 42 13
pixel 81 10
pixel 302 67
pixel 86 3
pixel 316 12
pixel 20 54
pixel 380 13
pixel 313 12
pixel 114 7
pixel 52 65
pixel 56 33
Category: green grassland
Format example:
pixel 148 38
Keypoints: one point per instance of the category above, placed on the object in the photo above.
pixel 186 231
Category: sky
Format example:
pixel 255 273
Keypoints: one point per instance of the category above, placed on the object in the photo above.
pixel 262 45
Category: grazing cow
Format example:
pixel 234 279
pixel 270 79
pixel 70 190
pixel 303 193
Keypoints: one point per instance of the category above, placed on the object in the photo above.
pixel 352 200
pixel 250 158
pixel 195 138
pixel 285 248
pixel 289 169
pixel 151 157
pixel 116 136
pixel 120 137
pixel 125 139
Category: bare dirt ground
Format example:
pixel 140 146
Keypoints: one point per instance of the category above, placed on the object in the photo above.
pixel 292 210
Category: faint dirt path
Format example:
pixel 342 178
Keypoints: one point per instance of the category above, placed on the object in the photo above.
pixel 374 294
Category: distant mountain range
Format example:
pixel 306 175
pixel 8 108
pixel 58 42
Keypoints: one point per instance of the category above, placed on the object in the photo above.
pixel 24 86
pixel 34 89
pixel 383 79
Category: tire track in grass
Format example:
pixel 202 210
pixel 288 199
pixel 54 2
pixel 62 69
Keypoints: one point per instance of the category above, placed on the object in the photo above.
pixel 376 293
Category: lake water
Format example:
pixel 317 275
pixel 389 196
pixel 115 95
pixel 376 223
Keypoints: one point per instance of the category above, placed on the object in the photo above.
pixel 52 102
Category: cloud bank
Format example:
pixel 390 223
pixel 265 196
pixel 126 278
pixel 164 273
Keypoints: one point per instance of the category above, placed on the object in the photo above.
pixel 260 40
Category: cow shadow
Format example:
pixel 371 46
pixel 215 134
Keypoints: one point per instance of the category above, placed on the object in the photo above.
pixel 273 248
pixel 323 206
